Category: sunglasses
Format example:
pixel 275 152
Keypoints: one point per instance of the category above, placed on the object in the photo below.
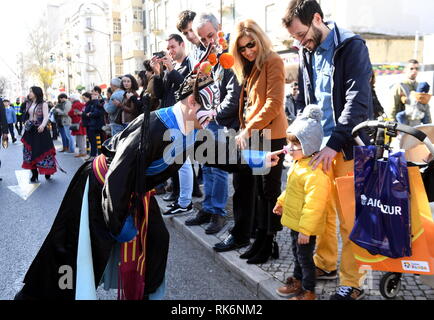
pixel 249 45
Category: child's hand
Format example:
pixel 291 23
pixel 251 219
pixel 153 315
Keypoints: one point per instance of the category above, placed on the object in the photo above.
pixel 303 239
pixel 278 210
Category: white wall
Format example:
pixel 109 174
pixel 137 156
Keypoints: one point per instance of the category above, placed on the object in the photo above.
pixel 395 17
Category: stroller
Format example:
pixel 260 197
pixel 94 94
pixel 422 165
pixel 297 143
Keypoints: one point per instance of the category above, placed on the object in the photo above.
pixel 418 148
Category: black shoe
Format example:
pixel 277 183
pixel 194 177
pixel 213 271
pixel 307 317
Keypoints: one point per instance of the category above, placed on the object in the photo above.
pixel 197 194
pixel 324 275
pixel 201 217
pixel 177 209
pixel 48 177
pixel 348 293
pixel 230 244
pixel 257 244
pixel 217 223
pixel 171 197
pixel 173 204
pixel 268 249
pixel 34 177
pixel 13 140
pixel 160 191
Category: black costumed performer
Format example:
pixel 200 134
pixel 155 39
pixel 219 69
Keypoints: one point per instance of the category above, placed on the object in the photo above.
pixel 109 203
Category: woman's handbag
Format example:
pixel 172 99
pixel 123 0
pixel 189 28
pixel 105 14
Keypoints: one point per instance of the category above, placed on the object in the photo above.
pixel 74 127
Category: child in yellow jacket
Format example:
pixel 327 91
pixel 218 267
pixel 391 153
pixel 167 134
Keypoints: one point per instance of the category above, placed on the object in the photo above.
pixel 302 204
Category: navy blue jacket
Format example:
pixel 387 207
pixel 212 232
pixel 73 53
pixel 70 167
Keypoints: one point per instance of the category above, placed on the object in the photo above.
pixel 95 121
pixel 351 89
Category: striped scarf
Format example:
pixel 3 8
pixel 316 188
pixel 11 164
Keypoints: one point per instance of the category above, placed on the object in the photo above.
pixel 132 266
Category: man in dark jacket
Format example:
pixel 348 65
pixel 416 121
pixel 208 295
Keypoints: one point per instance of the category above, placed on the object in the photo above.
pixel 177 67
pixel 206 26
pixel 335 72
pixel 3 125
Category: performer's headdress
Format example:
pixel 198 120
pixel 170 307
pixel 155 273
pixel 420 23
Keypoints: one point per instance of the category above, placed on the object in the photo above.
pixel 204 89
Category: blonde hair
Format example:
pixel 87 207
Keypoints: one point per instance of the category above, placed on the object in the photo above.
pixel 249 28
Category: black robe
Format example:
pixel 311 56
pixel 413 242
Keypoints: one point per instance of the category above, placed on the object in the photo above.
pixel 108 210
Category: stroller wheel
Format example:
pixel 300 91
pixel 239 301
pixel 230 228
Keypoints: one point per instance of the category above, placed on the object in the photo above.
pixel 390 285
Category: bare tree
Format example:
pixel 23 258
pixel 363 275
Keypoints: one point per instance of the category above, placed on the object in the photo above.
pixel 38 56
pixel 3 84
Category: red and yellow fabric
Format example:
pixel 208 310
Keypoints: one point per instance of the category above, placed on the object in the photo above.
pixel 132 266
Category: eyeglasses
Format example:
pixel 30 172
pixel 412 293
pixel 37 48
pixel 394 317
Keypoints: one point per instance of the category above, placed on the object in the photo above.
pixel 417 69
pixel 302 40
pixel 249 45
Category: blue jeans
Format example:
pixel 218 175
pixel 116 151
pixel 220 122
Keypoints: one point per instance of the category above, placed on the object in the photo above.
pixel 215 183
pixel 185 184
pixel 65 140
pixel 71 141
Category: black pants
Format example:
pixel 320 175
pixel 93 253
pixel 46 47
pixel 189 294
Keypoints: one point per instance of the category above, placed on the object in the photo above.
pixel 11 130
pixel 304 267
pixel 268 190
pixel 19 124
pixel 243 204
pixel 91 135
pixel 54 131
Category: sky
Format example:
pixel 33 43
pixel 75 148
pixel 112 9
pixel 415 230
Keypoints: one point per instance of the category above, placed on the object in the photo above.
pixel 17 17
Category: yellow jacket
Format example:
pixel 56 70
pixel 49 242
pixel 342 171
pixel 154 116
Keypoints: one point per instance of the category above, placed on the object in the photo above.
pixel 305 198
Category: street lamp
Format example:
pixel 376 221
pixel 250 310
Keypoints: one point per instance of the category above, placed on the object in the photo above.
pixel 110 47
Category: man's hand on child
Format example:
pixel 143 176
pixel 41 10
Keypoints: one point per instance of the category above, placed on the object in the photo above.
pixel 303 239
pixel 278 209
pixel 326 157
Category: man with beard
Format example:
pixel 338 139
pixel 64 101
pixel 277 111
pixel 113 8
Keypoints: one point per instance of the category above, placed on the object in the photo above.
pixel 335 72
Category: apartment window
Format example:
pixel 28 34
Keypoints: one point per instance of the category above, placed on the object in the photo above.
pixel 144 19
pixel 117 26
pixel 89 44
pixel 119 69
pixel 137 14
pixel 270 17
pixel 118 50
pixel 138 41
pixel 88 22
pixel 166 15
pixel 151 20
pixel 160 17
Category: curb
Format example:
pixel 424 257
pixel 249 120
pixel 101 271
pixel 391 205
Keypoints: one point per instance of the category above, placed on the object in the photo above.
pixel 261 283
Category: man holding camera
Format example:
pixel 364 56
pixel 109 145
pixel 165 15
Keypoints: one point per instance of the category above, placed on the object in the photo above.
pixel 176 67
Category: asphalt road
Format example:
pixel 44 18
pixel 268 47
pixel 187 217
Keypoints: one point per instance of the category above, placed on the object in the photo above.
pixel 190 274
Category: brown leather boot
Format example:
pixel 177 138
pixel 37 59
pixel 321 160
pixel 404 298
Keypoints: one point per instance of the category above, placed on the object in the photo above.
pixel 292 286
pixel 65 149
pixel 304 295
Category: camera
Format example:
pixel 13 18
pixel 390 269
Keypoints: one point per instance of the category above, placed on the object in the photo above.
pixel 160 54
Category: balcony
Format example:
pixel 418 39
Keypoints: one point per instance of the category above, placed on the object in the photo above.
pixel 157 32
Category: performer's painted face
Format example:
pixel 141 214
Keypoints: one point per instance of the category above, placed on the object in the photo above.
pixel 209 99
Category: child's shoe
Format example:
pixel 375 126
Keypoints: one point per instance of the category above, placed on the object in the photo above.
pixel 305 295
pixel 292 286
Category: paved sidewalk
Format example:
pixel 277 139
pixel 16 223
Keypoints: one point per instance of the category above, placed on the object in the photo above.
pixel 263 279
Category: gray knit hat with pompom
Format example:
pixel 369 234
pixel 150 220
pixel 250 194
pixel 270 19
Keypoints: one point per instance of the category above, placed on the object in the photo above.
pixel 308 129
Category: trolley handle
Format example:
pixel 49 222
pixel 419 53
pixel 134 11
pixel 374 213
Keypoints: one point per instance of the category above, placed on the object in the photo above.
pixel 421 136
